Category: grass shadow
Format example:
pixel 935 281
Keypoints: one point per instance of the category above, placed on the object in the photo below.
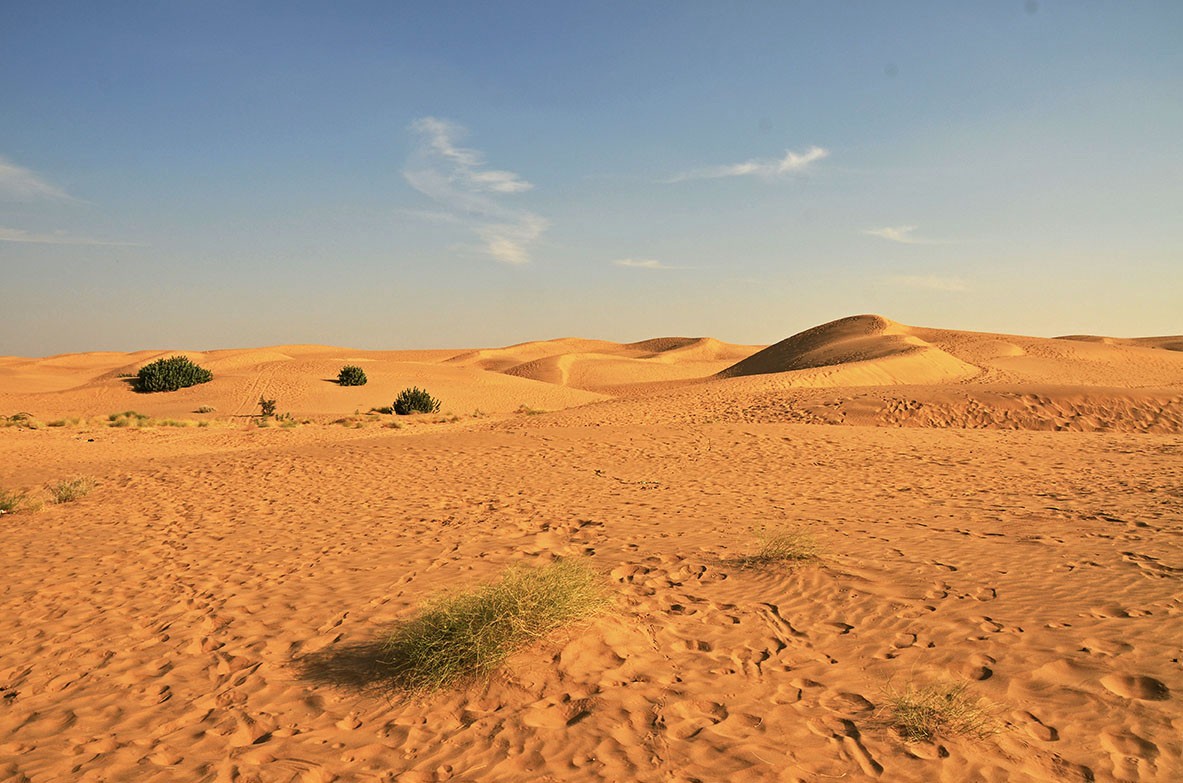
pixel 358 666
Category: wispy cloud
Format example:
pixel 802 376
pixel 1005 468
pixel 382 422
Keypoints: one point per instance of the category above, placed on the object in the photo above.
pixel 902 234
pixel 28 237
pixel 20 184
pixel 931 282
pixel 455 178
pixel 644 263
pixel 766 168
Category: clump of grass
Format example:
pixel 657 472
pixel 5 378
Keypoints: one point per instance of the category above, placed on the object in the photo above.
pixel 386 409
pixel 69 490
pixel 173 423
pixel 943 709
pixel 13 502
pixel 782 546
pixel 127 419
pixel 467 635
pixel 526 410
pixel 20 420
pixel 205 409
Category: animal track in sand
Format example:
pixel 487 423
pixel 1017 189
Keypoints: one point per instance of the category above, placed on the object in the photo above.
pixel 1037 728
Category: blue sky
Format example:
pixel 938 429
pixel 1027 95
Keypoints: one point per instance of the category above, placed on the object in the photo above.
pixel 400 175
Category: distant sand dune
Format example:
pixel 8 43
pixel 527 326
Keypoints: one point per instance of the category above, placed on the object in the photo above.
pixel 967 379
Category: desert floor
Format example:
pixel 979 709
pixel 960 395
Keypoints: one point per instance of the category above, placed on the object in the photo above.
pixel 996 511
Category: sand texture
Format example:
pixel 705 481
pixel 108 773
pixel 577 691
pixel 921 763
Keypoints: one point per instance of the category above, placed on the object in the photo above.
pixel 997 511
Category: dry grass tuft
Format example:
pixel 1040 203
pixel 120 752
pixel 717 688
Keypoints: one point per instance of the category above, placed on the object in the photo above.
pixel 69 490
pixel 941 709
pixel 13 502
pixel 465 635
pixel 782 546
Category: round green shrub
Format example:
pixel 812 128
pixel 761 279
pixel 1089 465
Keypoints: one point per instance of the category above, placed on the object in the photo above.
pixel 415 400
pixel 351 375
pixel 175 372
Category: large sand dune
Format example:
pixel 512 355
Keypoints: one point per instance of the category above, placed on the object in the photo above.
pixel 995 510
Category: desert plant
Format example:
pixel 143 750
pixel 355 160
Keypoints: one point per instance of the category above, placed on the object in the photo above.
pixel 942 709
pixel 465 635
pixel 13 502
pixel 175 372
pixel 69 490
pixel 127 419
pixel 781 546
pixel 266 407
pixel 205 409
pixel 351 375
pixel 415 400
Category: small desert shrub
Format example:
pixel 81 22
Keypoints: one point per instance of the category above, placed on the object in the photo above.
pixel 351 375
pixel 127 419
pixel 526 410
pixel 175 372
pixel 205 409
pixel 266 407
pixel 69 490
pixel 57 423
pixel 415 400
pixel 386 409
pixel 782 546
pixel 465 635
pixel 21 420
pixel 942 709
pixel 173 423
pixel 13 502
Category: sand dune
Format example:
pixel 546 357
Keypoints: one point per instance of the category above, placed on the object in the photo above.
pixel 994 510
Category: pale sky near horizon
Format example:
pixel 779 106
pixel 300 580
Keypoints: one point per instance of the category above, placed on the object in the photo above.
pixel 200 175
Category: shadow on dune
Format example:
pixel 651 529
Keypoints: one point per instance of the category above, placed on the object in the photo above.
pixel 360 666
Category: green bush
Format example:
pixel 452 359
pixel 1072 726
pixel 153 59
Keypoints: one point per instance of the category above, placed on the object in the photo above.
pixel 415 400
pixel 462 635
pixel 175 372
pixel 351 375
pixel 266 407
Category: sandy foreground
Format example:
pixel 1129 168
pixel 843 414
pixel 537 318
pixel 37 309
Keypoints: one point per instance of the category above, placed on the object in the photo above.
pixel 997 511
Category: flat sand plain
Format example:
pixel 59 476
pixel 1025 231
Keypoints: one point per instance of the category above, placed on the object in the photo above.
pixel 997 511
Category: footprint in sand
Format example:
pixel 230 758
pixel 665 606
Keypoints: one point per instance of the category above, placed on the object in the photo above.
pixel 1136 686
pixel 1133 756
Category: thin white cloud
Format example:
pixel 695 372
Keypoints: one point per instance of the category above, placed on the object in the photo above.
pixel 27 237
pixel 767 168
pixel 20 184
pixel 901 234
pixel 453 176
pixel 643 263
pixel 930 282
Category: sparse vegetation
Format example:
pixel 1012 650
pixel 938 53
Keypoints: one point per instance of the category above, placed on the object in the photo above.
pixel 266 407
pixel 20 420
pixel 415 400
pixel 467 635
pixel 351 375
pixel 171 374
pixel 526 410
pixel 782 546
pixel 69 490
pixel 386 409
pixel 13 502
pixel 205 409
pixel 939 710
pixel 127 419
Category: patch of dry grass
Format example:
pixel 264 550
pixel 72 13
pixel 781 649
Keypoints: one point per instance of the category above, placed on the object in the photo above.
pixel 943 709
pixel 69 490
pixel 781 545
pixel 464 635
